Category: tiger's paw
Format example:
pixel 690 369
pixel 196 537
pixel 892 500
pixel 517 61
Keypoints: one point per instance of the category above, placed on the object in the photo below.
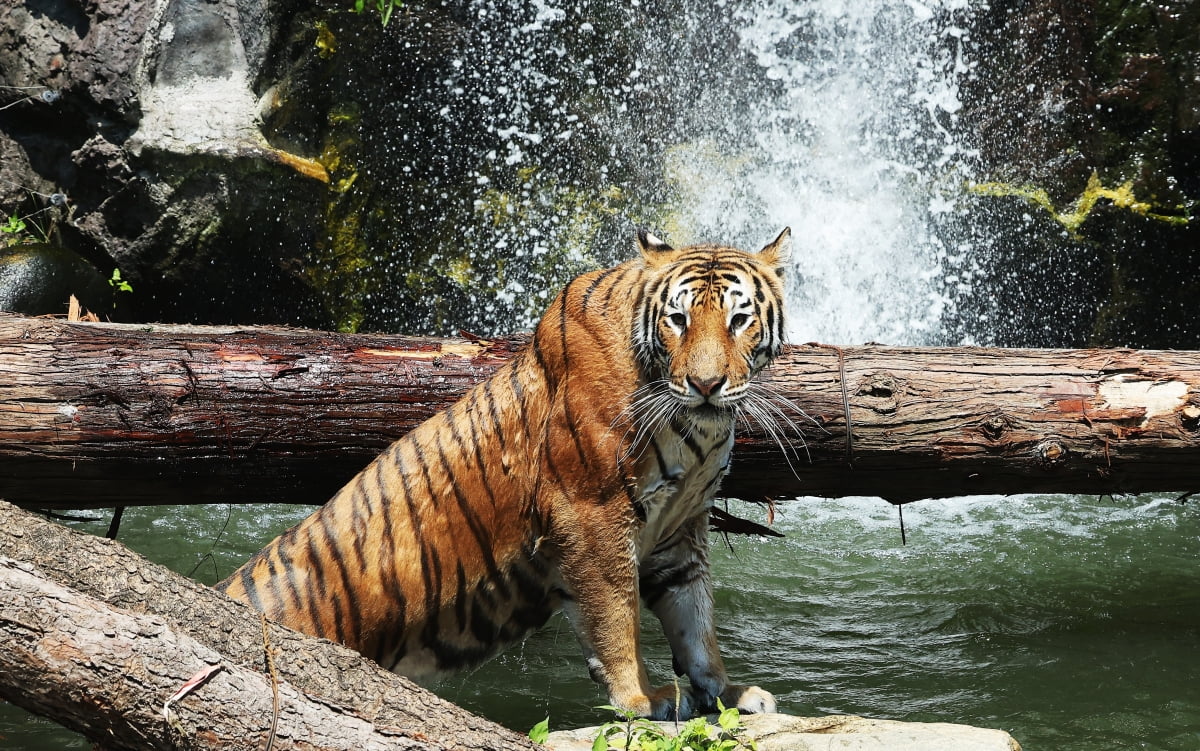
pixel 749 699
pixel 662 704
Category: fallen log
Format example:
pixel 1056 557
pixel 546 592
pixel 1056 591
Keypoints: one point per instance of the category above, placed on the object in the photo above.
pixel 69 657
pixel 99 640
pixel 96 415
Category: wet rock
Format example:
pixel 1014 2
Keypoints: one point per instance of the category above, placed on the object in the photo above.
pixel 38 279
pixel 194 139
pixel 104 61
pixel 1140 83
pixel 779 732
pixel 1189 99
pixel 17 176
pixel 194 86
pixel 1030 113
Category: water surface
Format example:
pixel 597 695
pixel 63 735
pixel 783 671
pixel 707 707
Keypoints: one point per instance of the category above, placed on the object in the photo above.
pixel 1071 622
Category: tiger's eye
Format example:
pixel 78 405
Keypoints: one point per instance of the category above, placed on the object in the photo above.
pixel 678 320
pixel 739 321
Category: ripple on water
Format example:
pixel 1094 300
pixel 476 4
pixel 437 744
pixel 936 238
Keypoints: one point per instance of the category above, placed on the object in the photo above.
pixel 1071 621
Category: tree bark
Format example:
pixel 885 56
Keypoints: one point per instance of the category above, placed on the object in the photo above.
pixel 99 639
pixel 107 673
pixel 104 414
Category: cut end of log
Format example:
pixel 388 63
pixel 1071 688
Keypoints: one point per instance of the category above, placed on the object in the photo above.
pixel 1190 416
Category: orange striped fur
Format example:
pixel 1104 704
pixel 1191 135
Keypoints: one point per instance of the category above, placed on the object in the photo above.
pixel 579 476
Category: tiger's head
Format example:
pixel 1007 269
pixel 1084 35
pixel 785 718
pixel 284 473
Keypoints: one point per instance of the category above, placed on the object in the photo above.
pixel 711 318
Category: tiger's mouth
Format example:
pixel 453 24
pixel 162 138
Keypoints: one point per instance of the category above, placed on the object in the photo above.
pixel 715 404
pixel 711 412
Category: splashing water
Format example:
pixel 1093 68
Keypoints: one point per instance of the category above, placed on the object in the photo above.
pixel 853 153
pixel 725 122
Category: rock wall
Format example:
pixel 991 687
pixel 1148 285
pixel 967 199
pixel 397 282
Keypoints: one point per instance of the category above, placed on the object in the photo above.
pixel 130 135
pixel 298 163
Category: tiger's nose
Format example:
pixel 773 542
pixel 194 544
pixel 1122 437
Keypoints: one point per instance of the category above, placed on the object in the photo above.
pixel 706 387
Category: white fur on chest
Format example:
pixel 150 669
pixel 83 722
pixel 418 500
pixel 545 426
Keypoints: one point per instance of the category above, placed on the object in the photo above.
pixel 676 484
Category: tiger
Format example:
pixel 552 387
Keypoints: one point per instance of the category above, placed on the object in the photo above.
pixel 578 477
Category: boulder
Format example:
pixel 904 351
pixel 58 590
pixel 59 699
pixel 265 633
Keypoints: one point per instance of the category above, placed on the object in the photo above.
pixel 39 279
pixel 781 732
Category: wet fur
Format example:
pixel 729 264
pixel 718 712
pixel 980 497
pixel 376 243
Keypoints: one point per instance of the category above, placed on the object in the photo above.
pixel 579 476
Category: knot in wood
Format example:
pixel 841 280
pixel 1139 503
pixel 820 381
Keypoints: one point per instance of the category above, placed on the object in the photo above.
pixel 1190 417
pixel 994 427
pixel 878 393
pixel 1050 453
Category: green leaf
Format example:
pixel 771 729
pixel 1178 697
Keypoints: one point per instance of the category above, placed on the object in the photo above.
pixel 623 713
pixel 15 225
pixel 541 731
pixel 729 719
pixel 669 743
pixel 694 729
pixel 385 10
pixel 117 282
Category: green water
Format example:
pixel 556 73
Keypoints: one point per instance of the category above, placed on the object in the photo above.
pixel 1073 623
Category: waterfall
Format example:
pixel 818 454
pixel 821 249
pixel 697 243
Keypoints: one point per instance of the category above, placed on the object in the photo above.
pixel 725 122
pixel 857 153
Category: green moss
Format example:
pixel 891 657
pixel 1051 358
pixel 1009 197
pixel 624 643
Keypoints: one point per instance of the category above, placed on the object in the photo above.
pixel 336 271
pixel 460 272
pixel 325 43
pixel 1122 197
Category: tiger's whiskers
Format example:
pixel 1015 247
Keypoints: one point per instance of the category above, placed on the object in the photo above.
pixel 650 408
pixel 771 411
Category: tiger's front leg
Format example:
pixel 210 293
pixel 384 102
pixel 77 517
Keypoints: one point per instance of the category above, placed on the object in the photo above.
pixel 600 574
pixel 677 587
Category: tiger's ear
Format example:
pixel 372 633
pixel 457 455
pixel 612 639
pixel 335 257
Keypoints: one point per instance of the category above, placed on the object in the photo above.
pixel 649 245
pixel 779 251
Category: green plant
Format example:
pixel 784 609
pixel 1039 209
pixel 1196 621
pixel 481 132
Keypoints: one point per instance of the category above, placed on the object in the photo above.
pixel 541 731
pixel 13 230
pixel 118 283
pixel 21 230
pixel 636 734
pixel 385 8
pixel 14 225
